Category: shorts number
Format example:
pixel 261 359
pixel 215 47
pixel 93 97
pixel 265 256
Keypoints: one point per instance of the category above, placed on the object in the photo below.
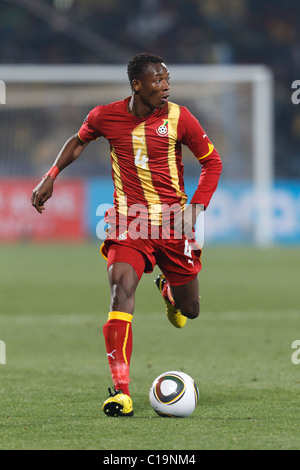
pixel 187 249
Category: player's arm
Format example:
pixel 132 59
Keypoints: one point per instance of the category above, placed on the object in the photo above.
pixel 208 181
pixel 192 134
pixel 68 154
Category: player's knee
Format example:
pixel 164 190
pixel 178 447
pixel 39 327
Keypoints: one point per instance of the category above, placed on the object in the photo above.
pixel 191 310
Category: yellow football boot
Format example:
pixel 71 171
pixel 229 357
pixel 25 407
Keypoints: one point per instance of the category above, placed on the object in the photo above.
pixel 173 313
pixel 118 404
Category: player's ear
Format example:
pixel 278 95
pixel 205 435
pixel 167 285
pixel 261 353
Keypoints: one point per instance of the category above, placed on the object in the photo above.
pixel 136 84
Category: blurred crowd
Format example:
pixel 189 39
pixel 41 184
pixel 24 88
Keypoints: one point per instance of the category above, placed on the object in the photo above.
pixel 182 31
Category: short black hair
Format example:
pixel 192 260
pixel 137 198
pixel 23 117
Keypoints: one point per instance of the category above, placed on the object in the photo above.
pixel 138 64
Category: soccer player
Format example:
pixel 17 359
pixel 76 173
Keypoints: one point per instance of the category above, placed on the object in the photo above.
pixel 145 132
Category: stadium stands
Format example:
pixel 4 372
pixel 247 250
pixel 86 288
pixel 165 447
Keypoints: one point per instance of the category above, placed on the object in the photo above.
pixel 183 31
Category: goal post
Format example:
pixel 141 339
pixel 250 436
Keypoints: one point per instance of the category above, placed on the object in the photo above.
pixel 234 104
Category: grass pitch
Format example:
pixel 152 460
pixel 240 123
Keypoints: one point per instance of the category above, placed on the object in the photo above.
pixel 53 303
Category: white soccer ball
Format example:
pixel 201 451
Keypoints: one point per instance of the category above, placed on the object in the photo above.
pixel 174 394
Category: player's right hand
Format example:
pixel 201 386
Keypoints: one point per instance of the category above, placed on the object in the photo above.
pixel 41 193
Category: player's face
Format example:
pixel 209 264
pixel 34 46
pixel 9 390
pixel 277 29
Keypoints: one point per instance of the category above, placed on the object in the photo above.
pixel 154 87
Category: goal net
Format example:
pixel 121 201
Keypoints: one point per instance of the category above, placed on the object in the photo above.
pixel 47 104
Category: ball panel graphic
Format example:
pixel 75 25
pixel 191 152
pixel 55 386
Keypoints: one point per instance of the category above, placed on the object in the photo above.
pixel 169 389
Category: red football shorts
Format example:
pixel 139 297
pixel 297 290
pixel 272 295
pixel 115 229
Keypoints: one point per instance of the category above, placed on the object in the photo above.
pixel 178 259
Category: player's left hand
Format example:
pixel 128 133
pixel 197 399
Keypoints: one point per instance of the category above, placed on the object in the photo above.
pixel 184 222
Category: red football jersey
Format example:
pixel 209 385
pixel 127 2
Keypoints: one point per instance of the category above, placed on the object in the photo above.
pixel 146 154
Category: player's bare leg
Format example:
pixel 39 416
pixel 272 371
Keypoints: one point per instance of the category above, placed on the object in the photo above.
pixel 123 282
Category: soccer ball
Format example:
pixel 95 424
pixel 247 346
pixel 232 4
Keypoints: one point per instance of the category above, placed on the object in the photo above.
pixel 174 394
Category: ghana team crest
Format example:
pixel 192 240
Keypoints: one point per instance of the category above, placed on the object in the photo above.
pixel 163 130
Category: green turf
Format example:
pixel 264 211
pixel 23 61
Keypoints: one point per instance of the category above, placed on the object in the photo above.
pixel 53 303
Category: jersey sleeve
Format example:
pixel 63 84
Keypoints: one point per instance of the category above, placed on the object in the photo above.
pixel 91 127
pixel 191 133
